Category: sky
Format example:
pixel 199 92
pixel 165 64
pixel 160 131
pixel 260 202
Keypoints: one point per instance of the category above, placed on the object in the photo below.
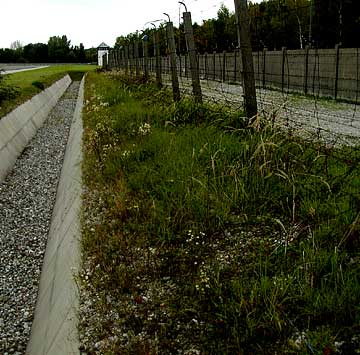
pixel 92 21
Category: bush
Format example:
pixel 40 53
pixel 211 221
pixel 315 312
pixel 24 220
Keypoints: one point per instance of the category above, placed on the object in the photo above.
pixel 38 84
pixel 7 92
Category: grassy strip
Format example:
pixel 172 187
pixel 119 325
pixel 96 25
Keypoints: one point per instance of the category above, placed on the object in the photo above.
pixel 29 83
pixel 203 235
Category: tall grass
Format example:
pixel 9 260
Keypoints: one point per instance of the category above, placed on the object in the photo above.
pixel 204 235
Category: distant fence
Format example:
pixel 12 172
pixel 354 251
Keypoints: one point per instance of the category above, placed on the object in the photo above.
pixel 322 72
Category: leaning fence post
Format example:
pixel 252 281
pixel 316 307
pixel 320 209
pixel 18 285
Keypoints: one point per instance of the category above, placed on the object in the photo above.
pixel 189 36
pixel 337 59
pixel 173 67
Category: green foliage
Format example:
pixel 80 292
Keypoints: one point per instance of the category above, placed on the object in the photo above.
pixel 212 236
pixel 38 84
pixel 7 92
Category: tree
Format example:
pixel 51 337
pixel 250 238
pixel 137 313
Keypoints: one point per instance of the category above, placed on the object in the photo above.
pixel 58 48
pixel 36 53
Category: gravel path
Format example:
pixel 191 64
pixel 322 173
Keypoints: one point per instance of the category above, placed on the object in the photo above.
pixel 27 197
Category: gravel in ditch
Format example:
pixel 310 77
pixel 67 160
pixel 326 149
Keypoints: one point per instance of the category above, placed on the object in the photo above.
pixel 27 198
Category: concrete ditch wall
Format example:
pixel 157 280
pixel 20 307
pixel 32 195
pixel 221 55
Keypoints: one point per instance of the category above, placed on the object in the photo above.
pixel 19 126
pixel 54 329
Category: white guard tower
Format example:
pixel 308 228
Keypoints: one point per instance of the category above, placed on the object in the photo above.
pixel 102 49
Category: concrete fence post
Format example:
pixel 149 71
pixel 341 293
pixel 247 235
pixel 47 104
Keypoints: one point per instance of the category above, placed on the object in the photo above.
pixel 189 36
pixel 264 68
pixel 337 59
pixel 146 55
pixel 283 61
pixel 157 58
pixel 172 54
pixel 306 68
pixel 205 65
pixel 126 58
pixel 214 65
pixel 243 26
pixel 235 65
pixel 136 55
pixel 223 74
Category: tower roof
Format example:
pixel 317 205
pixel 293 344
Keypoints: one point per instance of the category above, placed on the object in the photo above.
pixel 103 44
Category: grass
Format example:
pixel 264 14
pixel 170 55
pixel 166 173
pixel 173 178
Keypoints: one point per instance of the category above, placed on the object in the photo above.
pixel 29 83
pixel 203 234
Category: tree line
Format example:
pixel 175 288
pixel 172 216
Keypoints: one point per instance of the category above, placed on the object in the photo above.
pixel 274 24
pixel 58 49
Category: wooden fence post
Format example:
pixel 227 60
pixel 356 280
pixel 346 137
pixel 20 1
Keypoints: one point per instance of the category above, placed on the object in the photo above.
pixel 189 35
pixel 243 24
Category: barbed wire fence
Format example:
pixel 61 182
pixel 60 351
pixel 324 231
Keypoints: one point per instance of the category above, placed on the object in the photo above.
pixel 312 92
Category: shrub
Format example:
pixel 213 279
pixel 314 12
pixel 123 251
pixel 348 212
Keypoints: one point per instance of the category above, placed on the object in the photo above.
pixel 6 91
pixel 38 84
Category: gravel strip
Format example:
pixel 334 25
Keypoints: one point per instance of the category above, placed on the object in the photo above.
pixel 27 198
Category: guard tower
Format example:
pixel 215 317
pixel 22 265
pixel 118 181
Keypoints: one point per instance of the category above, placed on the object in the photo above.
pixel 102 49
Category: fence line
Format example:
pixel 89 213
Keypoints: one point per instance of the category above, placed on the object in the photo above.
pixel 278 74
pixel 332 73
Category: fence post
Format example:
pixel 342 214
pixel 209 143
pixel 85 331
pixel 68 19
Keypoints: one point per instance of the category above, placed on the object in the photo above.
pixel 180 66
pixel 146 54
pixel 126 50
pixel 223 76
pixel 136 55
pixel 264 68
pixel 214 65
pixel 283 68
pixel 205 65
pixel 172 53
pixel 306 69
pixel 189 35
pixel 157 58
pixel 337 58
pixel 235 65
pixel 243 24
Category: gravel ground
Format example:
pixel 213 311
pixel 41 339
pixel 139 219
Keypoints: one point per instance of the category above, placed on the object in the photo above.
pixel 27 198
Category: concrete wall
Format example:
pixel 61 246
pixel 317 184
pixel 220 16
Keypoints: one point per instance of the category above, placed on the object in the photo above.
pixel 54 329
pixel 322 72
pixel 19 126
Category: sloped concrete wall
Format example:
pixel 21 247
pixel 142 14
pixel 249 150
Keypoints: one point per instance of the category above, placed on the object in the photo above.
pixel 54 329
pixel 20 125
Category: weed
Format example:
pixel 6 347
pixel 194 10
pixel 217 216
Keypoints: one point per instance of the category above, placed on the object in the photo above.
pixel 205 235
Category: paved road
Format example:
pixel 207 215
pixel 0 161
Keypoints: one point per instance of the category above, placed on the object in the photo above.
pixel 14 68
